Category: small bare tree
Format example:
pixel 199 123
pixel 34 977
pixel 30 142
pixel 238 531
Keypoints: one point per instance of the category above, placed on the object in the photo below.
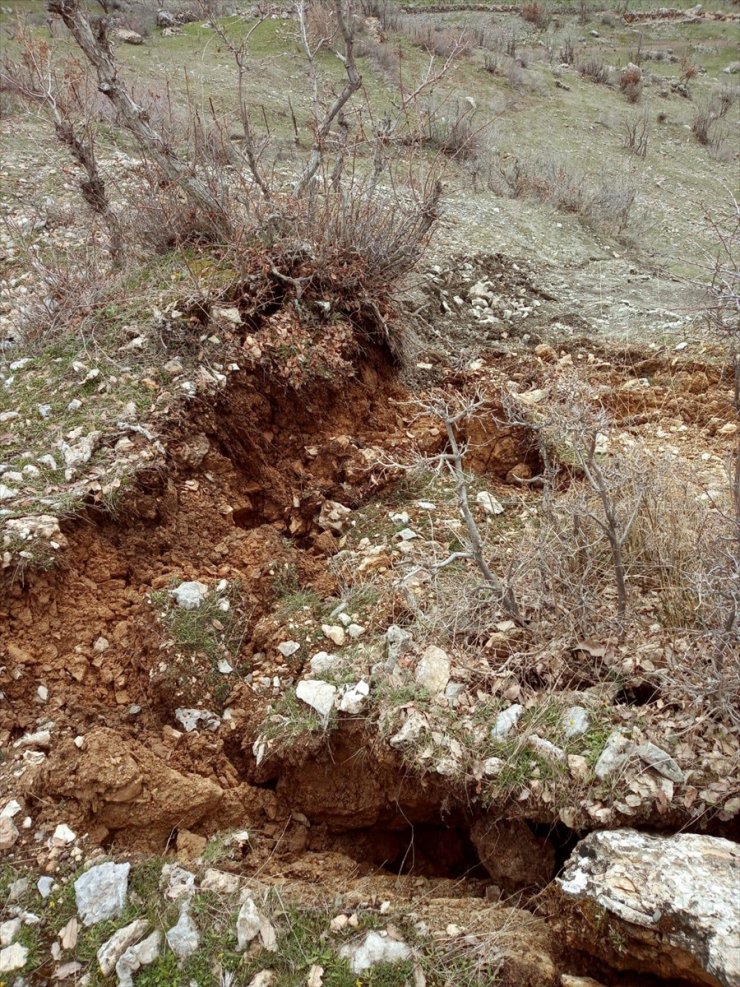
pixel 64 92
pixel 452 414
pixel 573 434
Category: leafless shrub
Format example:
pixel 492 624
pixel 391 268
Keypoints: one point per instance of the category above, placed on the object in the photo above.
pixel 708 115
pixel 689 70
pixel 537 13
pixel 493 63
pixel 320 22
pixel 568 52
pixel 424 33
pixel 388 12
pixel 450 128
pixel 630 83
pixel 637 134
pixel 386 57
pixel 596 70
pixel 606 205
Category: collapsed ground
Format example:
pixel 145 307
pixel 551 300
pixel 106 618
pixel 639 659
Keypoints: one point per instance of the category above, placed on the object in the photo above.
pixel 182 464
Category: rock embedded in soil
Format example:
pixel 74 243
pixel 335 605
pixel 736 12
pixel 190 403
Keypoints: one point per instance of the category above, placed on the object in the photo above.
pixel 506 721
pixel 13 958
pixel 183 938
pixel 664 906
pixel 191 719
pixel 9 930
pixel 489 503
pixel 101 892
pixel 190 595
pixel 433 670
pixel 575 721
pixel 317 694
pixel 9 834
pixel 372 950
pixel 135 957
pixel 114 948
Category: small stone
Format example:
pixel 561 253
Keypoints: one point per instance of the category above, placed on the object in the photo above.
pixel 11 809
pixel 220 882
pixel 13 958
pixel 575 721
pixel 183 938
pixel 247 924
pixel 489 503
pixel 44 885
pixel 615 753
pixel 42 694
pixel 177 882
pixel 373 949
pixel 288 648
pixel 190 595
pixel 192 718
pixel 660 761
pixel 413 727
pixel 407 534
pixel 398 641
pixel 63 835
pixel 317 694
pixel 114 948
pixel 355 631
pixel 433 670
pixel 353 700
pixel 101 892
pixel 8 833
pixel 135 957
pixel 9 930
pixel 334 633
pixel 506 721
pixel 546 748
pixel 323 663
pixel 493 766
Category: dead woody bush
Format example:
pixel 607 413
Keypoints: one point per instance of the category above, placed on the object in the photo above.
pixel 347 229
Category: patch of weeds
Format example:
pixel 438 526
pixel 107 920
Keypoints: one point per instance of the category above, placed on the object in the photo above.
pixel 592 743
pixel 290 719
pixel 216 850
pixel 164 972
pixel 30 936
pixel 215 630
pixel 303 941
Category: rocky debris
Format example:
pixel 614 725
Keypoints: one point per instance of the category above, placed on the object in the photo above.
pixel 176 882
pixel 123 784
pixel 506 721
pixel 546 748
pixel 664 906
pixel 166 19
pixel 13 958
pixel 660 761
pixel 183 938
pixel 489 503
pixel 288 648
pixel 614 756
pixel 353 700
pixel 191 719
pixel 511 853
pixel 135 957
pixel 413 727
pixel 101 892
pixel 9 930
pixel 113 949
pixel 319 695
pixel 8 833
pixel 433 670
pixel 190 595
pixel 375 948
pixel 128 37
pixel 250 923
pixel 575 721
pixel 333 517
pixel 220 882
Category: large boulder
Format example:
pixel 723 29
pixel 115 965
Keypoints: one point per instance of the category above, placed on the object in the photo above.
pixel 666 906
